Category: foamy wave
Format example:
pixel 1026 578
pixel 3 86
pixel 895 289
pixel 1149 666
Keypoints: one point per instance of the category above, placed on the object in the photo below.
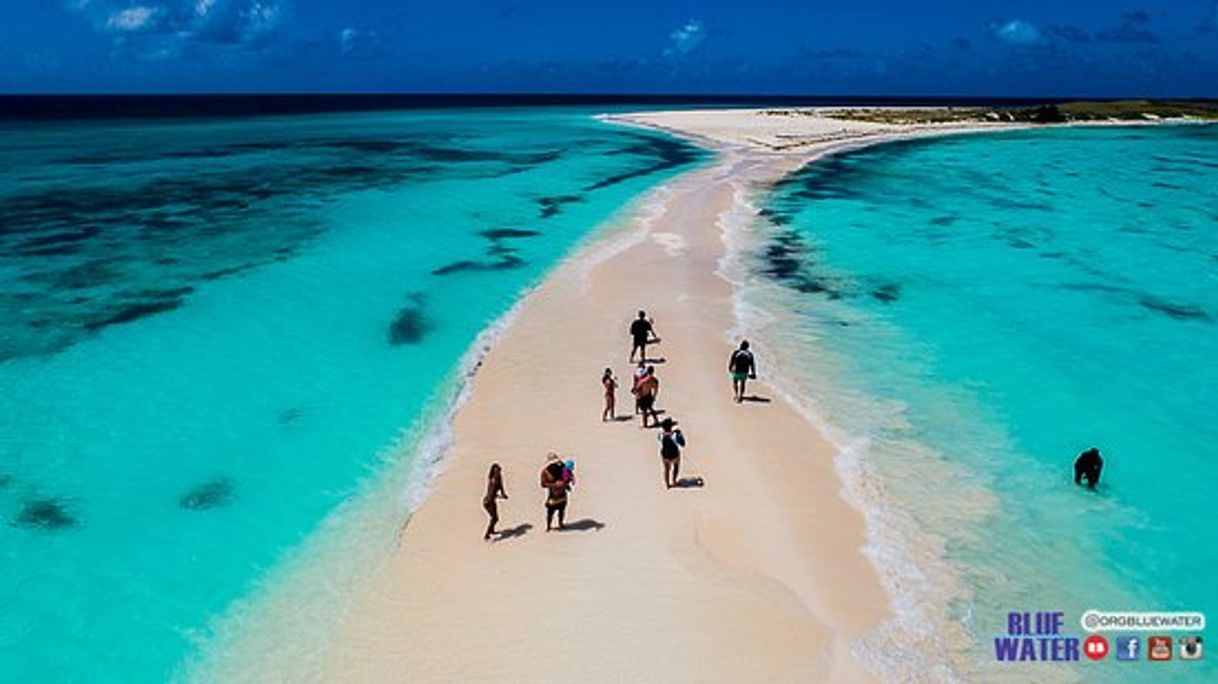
pixel 918 643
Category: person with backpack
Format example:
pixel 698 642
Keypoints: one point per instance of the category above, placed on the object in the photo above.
pixel 671 443
pixel 742 366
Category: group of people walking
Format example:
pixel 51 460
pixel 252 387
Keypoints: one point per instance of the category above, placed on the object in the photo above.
pixel 558 477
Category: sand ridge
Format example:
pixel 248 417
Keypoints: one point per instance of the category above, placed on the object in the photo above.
pixel 757 574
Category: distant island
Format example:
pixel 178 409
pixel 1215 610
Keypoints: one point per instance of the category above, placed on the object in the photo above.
pixel 1065 112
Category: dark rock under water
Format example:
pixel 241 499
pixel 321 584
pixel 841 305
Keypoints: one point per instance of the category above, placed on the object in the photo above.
pixel 887 293
pixel 1179 312
pixel 47 514
pixel 506 233
pixel 550 207
pixel 411 324
pixel 211 494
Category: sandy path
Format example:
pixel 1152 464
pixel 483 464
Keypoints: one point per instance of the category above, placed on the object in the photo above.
pixel 757 574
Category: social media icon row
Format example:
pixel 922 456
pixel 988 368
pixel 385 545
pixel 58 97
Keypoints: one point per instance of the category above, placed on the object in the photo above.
pixel 1157 648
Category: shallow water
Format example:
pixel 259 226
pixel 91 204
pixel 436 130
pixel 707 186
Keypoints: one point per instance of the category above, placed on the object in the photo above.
pixel 213 328
pixel 969 313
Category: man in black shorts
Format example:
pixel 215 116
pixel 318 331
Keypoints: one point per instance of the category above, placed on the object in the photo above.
pixel 641 332
pixel 742 366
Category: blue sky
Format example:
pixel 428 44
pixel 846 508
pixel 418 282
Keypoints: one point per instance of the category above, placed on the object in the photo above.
pixel 881 47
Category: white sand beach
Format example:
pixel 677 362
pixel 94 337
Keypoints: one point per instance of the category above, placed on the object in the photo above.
pixel 759 574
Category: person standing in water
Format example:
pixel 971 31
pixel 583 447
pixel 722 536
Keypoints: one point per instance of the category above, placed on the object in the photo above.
pixel 556 484
pixel 610 384
pixel 646 390
pixel 671 442
pixel 494 492
pixel 642 331
pixel 742 366
pixel 1088 466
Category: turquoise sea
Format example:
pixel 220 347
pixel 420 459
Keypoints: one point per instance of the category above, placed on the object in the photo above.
pixel 964 315
pixel 216 332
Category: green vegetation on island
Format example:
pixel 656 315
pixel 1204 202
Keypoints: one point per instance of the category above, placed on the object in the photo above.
pixel 1115 110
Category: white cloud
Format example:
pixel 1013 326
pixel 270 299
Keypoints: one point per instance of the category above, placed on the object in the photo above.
pixel 166 28
pixel 346 39
pixel 131 19
pixel 685 38
pixel 363 44
pixel 1016 32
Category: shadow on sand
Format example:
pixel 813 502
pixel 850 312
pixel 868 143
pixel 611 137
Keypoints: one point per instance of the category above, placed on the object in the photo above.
pixel 757 399
pixel 582 525
pixel 513 532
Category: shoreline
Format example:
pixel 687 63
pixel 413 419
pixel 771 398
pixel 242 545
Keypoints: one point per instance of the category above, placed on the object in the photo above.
pixel 365 647
pixel 380 512
pixel 230 657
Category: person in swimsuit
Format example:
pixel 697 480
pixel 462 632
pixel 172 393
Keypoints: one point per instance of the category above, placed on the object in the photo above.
pixel 494 492
pixel 556 486
pixel 639 374
pixel 1088 466
pixel 647 389
pixel 642 331
pixel 671 441
pixel 610 384
pixel 742 366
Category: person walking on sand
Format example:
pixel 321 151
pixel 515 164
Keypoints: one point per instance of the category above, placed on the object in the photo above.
pixel 494 492
pixel 671 442
pixel 610 384
pixel 646 391
pixel 742 366
pixel 642 332
pixel 556 484
pixel 639 374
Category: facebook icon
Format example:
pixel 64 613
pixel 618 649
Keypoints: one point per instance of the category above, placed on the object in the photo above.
pixel 1128 648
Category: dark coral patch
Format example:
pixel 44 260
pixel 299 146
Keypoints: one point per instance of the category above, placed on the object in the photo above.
pixel 154 302
pixel 47 514
pixel 552 206
pixel 508 262
pixel 210 494
pixel 507 233
pixel 411 324
pixel 776 218
pixel 1180 312
pixel 665 154
pixel 887 293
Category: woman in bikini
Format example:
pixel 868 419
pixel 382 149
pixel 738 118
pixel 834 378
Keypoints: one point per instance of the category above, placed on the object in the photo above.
pixel 494 492
pixel 610 384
